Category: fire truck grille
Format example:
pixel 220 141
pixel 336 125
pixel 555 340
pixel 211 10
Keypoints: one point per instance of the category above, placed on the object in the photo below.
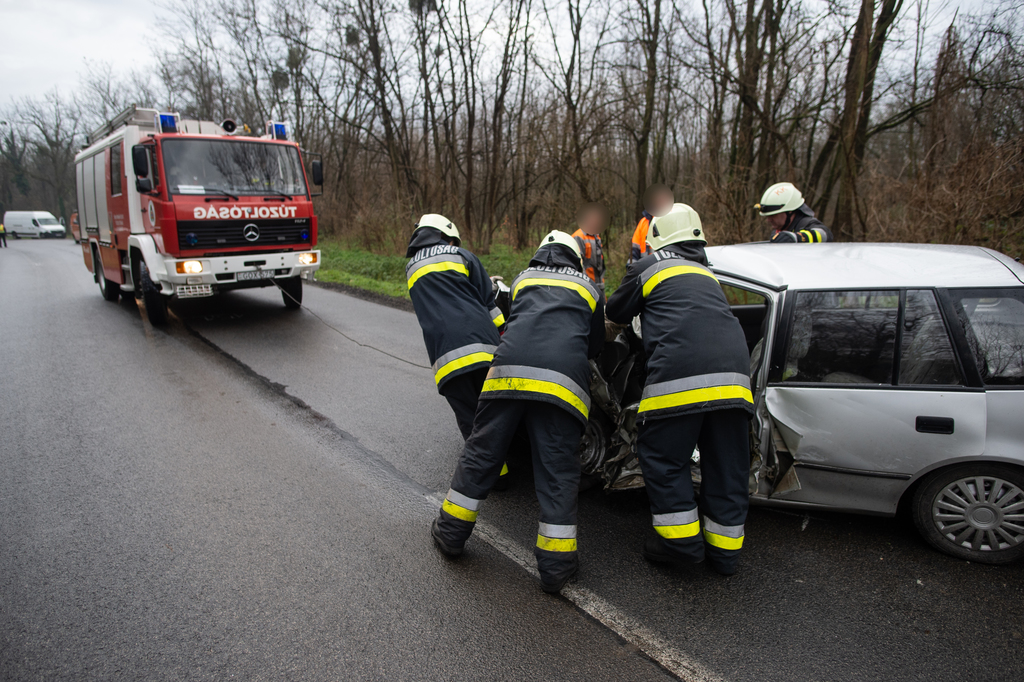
pixel 213 234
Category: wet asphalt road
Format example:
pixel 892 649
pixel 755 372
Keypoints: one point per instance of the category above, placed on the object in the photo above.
pixel 244 495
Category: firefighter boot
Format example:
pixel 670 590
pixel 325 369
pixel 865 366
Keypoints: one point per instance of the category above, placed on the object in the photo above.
pixel 555 572
pixel 657 550
pixel 445 544
pixel 455 523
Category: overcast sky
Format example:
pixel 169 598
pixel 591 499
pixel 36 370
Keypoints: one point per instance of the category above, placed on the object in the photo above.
pixel 45 43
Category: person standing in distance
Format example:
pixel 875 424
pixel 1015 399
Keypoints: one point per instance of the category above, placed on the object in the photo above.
pixel 789 218
pixel 454 302
pixel 697 392
pixel 539 377
pixel 658 200
pixel 591 221
pixel 3 235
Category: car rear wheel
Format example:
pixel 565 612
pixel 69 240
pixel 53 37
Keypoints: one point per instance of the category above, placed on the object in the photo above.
pixel 291 292
pixel 154 301
pixel 974 512
pixel 109 290
pixel 593 447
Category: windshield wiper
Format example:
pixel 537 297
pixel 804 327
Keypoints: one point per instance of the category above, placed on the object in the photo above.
pixel 218 190
pixel 278 193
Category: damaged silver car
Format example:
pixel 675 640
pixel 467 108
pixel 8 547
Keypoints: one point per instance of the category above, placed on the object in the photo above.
pixel 884 375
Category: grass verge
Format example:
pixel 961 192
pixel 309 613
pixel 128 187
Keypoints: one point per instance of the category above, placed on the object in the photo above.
pixel 385 274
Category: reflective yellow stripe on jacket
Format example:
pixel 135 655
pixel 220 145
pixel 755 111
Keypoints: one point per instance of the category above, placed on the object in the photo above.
pixel 474 353
pixel 723 537
pixel 553 279
pixel 704 388
pixel 668 268
pixel 497 317
pixel 554 538
pixel 444 262
pixel 677 525
pixel 544 382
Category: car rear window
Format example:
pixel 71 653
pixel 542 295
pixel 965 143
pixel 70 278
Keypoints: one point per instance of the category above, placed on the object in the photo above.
pixel 993 321
pixel 843 337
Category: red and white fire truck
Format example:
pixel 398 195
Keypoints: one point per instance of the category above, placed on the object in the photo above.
pixel 173 208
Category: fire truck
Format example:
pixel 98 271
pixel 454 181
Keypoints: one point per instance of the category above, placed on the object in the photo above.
pixel 177 209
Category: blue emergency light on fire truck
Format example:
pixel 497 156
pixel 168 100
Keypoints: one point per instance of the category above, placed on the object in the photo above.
pixel 172 208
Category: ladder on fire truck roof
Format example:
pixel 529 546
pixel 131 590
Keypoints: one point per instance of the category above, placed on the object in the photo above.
pixel 133 115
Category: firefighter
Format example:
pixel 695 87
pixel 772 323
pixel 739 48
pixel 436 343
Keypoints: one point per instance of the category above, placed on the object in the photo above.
pixel 591 220
pixel 789 218
pixel 697 392
pixel 657 200
pixel 538 377
pixel 3 235
pixel 454 302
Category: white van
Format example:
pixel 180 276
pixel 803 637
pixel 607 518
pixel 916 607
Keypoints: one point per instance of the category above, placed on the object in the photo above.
pixel 40 224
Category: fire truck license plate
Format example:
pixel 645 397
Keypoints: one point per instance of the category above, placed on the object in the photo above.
pixel 255 274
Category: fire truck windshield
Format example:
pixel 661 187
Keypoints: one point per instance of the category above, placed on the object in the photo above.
pixel 232 167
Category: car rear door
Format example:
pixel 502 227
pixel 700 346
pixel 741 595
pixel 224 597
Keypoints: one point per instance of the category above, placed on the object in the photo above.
pixel 866 392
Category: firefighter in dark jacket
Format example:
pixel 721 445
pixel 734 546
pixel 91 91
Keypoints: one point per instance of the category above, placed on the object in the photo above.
pixel 697 392
pixel 539 377
pixel 789 218
pixel 454 302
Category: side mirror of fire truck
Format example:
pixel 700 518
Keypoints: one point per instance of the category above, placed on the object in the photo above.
pixel 140 161
pixel 318 172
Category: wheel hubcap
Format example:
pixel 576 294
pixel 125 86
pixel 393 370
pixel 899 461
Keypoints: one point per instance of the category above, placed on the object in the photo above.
pixel 982 513
pixel 592 449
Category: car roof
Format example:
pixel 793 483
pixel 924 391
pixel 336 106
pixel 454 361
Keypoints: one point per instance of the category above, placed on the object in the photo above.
pixel 865 266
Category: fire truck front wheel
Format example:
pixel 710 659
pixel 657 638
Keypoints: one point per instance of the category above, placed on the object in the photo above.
pixel 152 299
pixel 291 292
pixel 110 290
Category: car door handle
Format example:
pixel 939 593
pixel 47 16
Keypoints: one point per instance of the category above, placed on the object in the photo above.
pixel 939 425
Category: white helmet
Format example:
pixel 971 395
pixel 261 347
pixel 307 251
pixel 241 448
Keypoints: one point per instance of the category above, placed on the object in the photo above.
pixel 780 198
pixel 439 222
pixel 681 224
pixel 565 239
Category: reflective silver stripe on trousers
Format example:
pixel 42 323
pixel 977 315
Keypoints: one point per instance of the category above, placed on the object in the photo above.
pixel 697 382
pixel 463 501
pixel 550 530
pixel 719 529
pixel 444 257
pixel 542 274
pixel 462 352
pixel 538 374
pixel 675 518
pixel 666 264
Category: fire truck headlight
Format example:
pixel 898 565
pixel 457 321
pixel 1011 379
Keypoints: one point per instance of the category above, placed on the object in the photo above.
pixel 189 267
pixel 307 258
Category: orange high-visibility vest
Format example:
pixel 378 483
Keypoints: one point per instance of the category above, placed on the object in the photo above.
pixel 638 248
pixel 593 255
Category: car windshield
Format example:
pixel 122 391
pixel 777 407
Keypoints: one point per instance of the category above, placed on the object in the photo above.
pixel 48 221
pixel 235 167
pixel 993 320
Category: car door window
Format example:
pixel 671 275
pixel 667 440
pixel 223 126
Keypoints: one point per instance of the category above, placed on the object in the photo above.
pixel 993 321
pixel 843 337
pixel 926 355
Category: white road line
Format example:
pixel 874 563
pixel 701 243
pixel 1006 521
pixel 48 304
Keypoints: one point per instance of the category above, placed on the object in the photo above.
pixel 637 634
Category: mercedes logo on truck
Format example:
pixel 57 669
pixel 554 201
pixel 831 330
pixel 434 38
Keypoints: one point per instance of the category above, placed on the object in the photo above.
pixel 251 232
